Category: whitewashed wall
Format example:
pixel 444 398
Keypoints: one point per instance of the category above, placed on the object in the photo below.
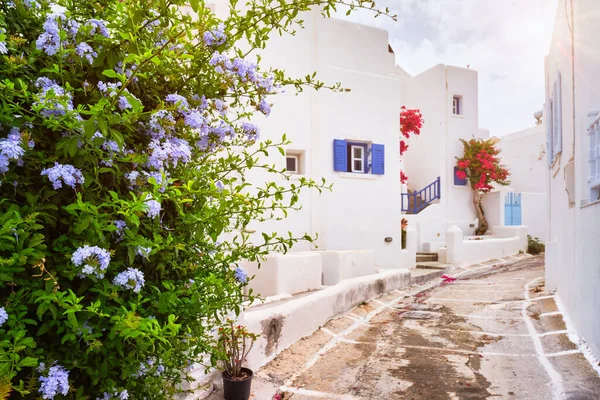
pixel 524 153
pixel 573 254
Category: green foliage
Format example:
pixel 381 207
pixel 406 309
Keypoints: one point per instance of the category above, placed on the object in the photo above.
pixel 108 336
pixel 534 246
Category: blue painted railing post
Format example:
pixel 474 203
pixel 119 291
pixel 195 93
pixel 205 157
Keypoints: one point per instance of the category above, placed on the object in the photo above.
pixel 415 202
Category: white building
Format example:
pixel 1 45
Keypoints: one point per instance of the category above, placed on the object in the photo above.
pixel 525 155
pixel 572 115
pixel 350 139
pixel 448 99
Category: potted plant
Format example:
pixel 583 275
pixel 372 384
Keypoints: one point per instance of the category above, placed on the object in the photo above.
pixel 234 344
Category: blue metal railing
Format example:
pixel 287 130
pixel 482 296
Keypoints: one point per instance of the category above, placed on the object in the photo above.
pixel 421 198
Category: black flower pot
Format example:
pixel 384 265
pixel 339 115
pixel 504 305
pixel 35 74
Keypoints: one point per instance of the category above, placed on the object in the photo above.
pixel 237 388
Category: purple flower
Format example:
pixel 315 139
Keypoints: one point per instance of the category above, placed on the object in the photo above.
pixel 56 382
pixel 245 70
pixel 98 26
pixel 132 279
pixel 159 177
pixel 264 107
pixel 180 101
pixel 94 259
pixel 31 144
pixel 132 176
pixel 123 103
pixel 63 173
pixel 111 145
pixel 195 120
pixel 161 123
pixel 153 208
pixel 53 98
pixel 3 49
pixel 49 40
pixel 124 395
pixel 221 107
pixel 84 50
pixel 11 148
pixel 241 275
pixel 143 251
pixel 172 150
pixel 252 131
pixel 3 316
pixel 73 28
pixel 219 186
pixel 216 37
pixel 221 63
pixel 121 225
pixel 267 83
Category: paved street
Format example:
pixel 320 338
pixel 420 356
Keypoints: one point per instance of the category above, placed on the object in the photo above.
pixel 492 333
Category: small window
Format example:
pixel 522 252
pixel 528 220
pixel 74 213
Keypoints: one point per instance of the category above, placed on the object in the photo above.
pixel 293 162
pixel 457 105
pixel 357 157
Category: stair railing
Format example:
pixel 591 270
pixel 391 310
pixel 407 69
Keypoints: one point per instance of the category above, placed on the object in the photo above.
pixel 426 196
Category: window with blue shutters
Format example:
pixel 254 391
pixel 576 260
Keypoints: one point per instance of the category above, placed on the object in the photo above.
pixel 557 117
pixel 358 157
pixel 553 120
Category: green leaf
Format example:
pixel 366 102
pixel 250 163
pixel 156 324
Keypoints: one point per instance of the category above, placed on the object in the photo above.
pixel 110 73
pixel 28 362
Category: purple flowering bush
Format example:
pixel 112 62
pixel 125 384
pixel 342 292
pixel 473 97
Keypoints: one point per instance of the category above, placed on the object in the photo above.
pixel 125 134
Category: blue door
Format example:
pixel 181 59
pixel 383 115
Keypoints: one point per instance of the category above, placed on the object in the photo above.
pixel 512 209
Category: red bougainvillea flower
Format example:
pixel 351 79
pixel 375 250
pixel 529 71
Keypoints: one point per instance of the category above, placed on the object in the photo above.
pixel 403 177
pixel 411 121
pixel 460 174
pixel 403 147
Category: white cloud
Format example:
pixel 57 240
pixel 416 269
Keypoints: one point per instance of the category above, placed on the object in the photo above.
pixel 504 40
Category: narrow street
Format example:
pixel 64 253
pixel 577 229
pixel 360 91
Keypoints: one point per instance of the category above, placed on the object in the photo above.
pixel 494 332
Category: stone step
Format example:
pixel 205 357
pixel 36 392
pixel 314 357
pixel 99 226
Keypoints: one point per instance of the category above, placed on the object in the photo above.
pixel 432 265
pixel 426 257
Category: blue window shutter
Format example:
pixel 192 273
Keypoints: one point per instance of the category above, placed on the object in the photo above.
pixel 548 118
pixel 457 180
pixel 377 159
pixel 557 128
pixel 340 155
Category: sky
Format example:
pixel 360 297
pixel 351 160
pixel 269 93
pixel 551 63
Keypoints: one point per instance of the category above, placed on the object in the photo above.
pixel 504 40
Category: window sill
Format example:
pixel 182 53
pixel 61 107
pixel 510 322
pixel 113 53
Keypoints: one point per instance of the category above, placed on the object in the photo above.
pixel 462 116
pixel 294 176
pixel 357 175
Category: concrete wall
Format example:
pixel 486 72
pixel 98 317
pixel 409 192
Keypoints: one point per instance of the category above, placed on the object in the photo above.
pixel 573 254
pixel 461 251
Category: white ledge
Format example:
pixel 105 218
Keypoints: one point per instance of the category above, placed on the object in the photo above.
pixel 357 175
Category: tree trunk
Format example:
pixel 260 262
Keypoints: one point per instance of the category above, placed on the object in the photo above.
pixel 483 224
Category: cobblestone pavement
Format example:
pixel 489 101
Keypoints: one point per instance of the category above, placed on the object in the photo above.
pixel 493 333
